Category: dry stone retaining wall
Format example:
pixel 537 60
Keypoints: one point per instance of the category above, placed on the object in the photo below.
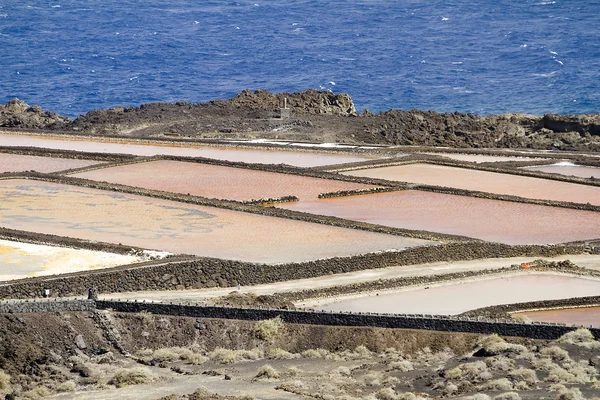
pixel 211 272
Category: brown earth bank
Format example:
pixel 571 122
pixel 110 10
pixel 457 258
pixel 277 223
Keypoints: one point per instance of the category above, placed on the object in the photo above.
pixel 316 116
pixel 71 355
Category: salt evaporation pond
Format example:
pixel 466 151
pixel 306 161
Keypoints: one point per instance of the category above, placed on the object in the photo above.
pixel 217 181
pixel 492 220
pixel 456 298
pixel 22 260
pixel 178 227
pixel 566 168
pixel 21 163
pixel 263 156
pixel 490 182
pixel 586 316
pixel 483 158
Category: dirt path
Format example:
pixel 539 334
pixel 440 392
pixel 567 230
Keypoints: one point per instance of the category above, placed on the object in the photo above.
pixel 587 261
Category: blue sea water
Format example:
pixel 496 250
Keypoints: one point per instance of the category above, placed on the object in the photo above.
pixel 531 56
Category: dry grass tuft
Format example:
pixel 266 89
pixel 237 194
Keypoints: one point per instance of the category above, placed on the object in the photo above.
pixel 225 356
pixel 266 372
pixel 280 354
pixel 508 396
pixel 580 337
pixel 269 329
pixel 403 366
pixel 133 376
pixel 5 385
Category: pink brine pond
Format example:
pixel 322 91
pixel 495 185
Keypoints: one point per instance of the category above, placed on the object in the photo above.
pixel 21 163
pixel 457 298
pixel 491 220
pixel 483 181
pixel 177 227
pixel 259 156
pixel 217 181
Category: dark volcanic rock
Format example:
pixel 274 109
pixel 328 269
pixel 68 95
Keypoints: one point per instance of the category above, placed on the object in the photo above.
pixel 18 114
pixel 319 116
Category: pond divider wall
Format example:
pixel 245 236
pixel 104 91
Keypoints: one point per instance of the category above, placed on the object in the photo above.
pixel 212 272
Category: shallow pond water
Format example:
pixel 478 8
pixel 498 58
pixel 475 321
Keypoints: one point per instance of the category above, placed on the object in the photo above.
pixel 457 298
pixel 586 316
pixel 490 182
pixel 262 156
pixel 21 163
pixel 178 227
pixel 492 220
pixel 570 169
pixel 216 181
pixel 21 260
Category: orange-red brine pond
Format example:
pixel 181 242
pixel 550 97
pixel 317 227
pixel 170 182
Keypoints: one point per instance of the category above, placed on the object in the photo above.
pixel 217 181
pixel 491 182
pixel 491 220
pixel 20 163
pixel 177 227
pixel 586 316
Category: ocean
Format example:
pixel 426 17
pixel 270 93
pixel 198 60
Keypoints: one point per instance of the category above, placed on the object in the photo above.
pixel 485 57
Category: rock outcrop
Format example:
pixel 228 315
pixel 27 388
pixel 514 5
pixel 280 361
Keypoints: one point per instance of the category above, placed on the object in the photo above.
pixel 309 101
pixel 18 114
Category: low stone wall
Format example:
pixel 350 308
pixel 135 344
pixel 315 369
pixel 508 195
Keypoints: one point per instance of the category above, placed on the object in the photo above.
pixel 211 272
pixel 81 155
pixel 342 193
pixel 505 309
pixel 46 306
pixel 422 322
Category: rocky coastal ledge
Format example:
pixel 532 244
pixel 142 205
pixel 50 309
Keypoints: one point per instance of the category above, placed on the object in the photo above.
pixel 317 116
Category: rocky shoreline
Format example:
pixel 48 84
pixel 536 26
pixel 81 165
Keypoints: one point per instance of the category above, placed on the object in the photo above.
pixel 315 116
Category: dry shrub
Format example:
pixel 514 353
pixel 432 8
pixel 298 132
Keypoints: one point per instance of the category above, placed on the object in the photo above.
pixel 341 371
pixel 194 358
pixel 386 394
pixel 450 389
pixel 5 385
pixel 524 374
pixel 36 393
pixel 170 354
pixel 403 366
pixel 362 352
pixel 543 364
pixel 266 372
pixel 569 394
pixel 293 371
pixel 390 381
pixel 280 354
pixel 494 344
pixel 478 396
pixel 126 377
pixel 297 387
pixel 67 386
pixel 580 337
pixel 372 379
pixel 500 363
pixel 555 352
pixel 497 384
pixel 508 396
pixel 315 353
pixel 474 372
pixel 269 329
pixel 225 356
